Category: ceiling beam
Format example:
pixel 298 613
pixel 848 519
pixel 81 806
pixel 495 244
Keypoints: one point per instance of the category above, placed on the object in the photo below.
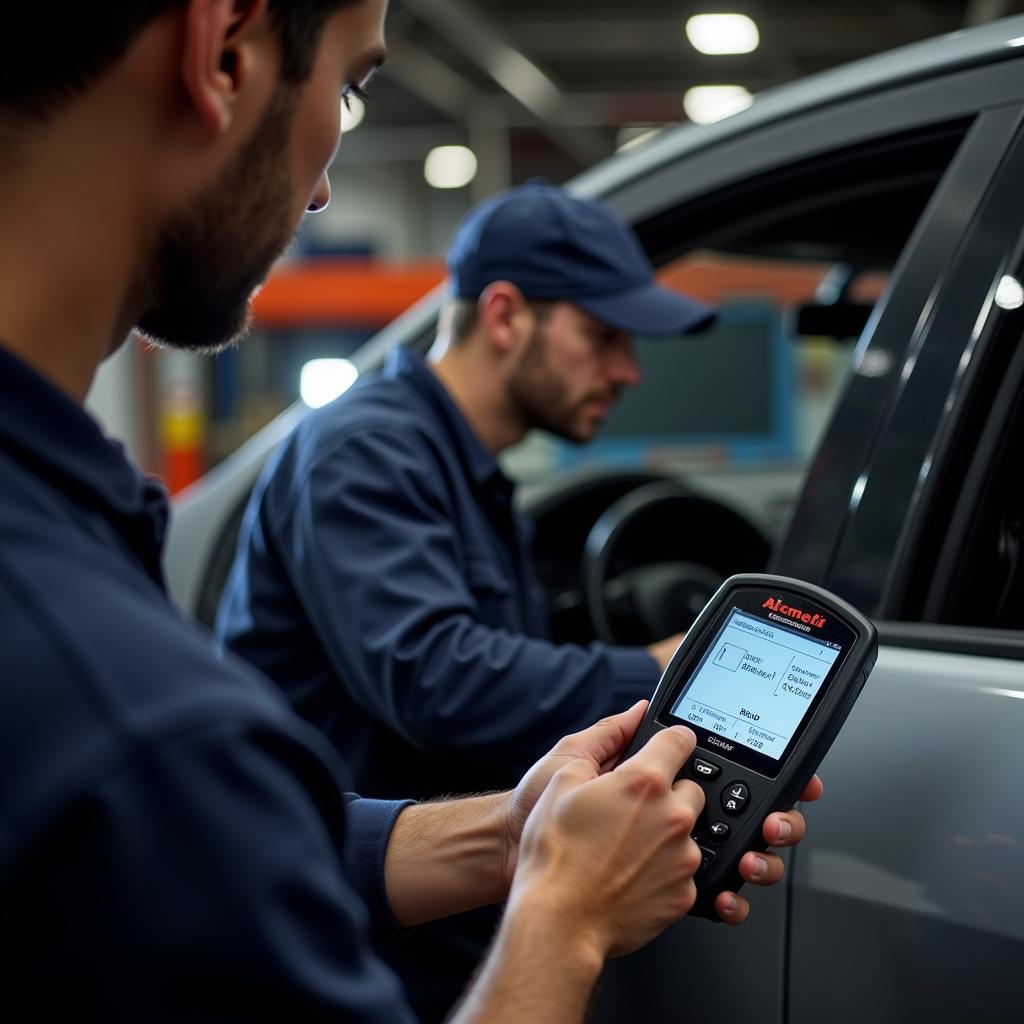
pixel 851 33
pixel 424 75
pixel 482 41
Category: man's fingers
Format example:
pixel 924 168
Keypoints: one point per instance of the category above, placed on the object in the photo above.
pixel 784 828
pixel 662 756
pixel 692 794
pixel 604 741
pixel 812 790
pixel 732 909
pixel 575 772
pixel 761 868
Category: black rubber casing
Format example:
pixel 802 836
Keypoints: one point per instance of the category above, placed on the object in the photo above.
pixel 773 784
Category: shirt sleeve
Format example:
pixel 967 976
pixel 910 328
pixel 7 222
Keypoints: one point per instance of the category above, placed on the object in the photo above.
pixel 207 879
pixel 370 823
pixel 373 552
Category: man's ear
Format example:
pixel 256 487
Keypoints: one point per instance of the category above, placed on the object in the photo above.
pixel 218 57
pixel 505 316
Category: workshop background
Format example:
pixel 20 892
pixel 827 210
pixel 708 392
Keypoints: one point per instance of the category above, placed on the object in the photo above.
pixel 479 95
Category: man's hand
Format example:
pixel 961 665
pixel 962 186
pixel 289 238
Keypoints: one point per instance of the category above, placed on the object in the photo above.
pixel 600 748
pixel 610 856
pixel 602 860
pixel 444 858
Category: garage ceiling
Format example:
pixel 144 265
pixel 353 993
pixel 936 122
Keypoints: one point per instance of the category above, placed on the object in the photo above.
pixel 550 86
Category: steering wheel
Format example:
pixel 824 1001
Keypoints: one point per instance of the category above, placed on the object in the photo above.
pixel 655 557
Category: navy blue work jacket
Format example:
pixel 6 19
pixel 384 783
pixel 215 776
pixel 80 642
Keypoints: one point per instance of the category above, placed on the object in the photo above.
pixel 383 581
pixel 175 844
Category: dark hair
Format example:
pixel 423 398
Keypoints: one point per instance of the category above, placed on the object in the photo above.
pixel 464 315
pixel 50 51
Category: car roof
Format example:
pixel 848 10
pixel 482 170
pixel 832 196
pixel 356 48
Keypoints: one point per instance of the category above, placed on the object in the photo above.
pixel 933 58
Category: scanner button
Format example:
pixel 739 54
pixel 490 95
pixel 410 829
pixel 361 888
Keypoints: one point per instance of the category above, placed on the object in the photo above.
pixel 719 832
pixel 707 858
pixel 705 769
pixel 735 798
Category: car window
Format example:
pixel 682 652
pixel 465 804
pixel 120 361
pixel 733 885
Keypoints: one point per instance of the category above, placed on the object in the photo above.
pixel 974 537
pixel 925 528
pixel 987 588
pixel 796 261
pixel 737 406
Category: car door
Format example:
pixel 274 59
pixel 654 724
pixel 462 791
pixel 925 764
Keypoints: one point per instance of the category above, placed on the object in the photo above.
pixel 758 972
pixel 907 903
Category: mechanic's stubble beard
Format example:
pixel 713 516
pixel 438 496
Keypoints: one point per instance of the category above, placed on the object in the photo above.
pixel 212 256
pixel 542 399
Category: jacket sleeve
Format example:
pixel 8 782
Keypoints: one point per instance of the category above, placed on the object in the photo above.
pixel 373 553
pixel 369 828
pixel 208 877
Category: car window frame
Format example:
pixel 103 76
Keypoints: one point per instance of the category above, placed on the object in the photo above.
pixel 877 114
pixel 973 486
pixel 984 393
pixel 897 492
pixel 813 546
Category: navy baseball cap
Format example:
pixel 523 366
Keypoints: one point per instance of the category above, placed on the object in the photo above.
pixel 554 246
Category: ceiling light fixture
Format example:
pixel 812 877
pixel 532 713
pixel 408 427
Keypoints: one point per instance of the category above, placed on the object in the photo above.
pixel 717 34
pixel 450 167
pixel 705 104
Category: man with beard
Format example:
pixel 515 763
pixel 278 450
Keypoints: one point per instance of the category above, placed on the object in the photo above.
pixel 177 845
pixel 382 577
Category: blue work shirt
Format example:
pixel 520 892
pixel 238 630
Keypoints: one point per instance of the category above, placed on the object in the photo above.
pixel 383 580
pixel 175 844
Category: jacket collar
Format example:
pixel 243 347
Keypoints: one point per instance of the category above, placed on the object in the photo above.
pixel 60 443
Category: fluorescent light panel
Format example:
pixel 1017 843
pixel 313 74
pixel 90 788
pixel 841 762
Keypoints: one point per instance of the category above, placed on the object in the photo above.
pixel 718 34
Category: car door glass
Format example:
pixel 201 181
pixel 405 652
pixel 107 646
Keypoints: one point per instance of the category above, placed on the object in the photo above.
pixel 976 523
pixel 738 409
pixel 940 513
pixel 796 261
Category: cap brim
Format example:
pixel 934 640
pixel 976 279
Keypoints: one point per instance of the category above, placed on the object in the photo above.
pixel 649 310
